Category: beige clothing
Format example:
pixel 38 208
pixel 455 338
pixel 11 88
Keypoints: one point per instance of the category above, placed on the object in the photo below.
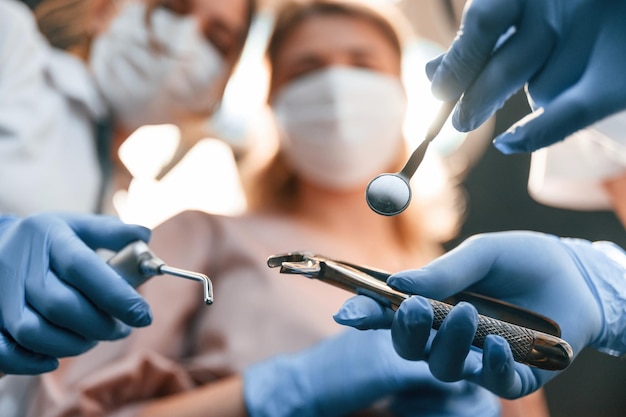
pixel 257 313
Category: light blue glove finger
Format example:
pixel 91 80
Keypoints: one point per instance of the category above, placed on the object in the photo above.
pixel 411 328
pixel 452 357
pixel 364 313
pixel 105 232
pixel 499 372
pixel 57 297
pixel 106 289
pixel 69 311
pixel 574 109
pixel 484 22
pixel 453 342
pixel 14 359
pixel 413 323
pixel 343 374
pixel 33 332
pixel 507 70
pixel 432 65
pixel 576 57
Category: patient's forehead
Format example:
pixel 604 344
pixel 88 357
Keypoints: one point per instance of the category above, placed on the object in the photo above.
pixel 326 40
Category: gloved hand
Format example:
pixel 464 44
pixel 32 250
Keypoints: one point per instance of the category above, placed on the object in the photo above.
pixel 57 297
pixel 350 372
pixel 580 285
pixel 569 53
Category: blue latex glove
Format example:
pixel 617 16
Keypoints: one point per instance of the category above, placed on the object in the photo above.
pixel 572 281
pixel 351 371
pixel 57 297
pixel 569 53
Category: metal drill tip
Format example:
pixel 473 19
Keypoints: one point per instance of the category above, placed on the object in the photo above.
pixel 195 276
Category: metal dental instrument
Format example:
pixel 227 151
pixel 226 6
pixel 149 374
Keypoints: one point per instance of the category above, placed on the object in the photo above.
pixel 533 338
pixel 136 263
pixel 390 194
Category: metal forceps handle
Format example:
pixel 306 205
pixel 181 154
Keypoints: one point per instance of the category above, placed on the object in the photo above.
pixel 528 346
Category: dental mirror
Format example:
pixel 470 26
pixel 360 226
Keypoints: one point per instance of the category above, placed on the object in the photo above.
pixel 390 194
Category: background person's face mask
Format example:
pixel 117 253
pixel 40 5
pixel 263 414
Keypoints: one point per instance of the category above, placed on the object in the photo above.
pixel 341 126
pixel 156 74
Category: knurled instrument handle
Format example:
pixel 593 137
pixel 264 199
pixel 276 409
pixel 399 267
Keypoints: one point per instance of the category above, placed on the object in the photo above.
pixel 527 345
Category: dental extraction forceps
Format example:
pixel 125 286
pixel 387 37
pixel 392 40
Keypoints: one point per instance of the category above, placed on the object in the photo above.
pixel 533 338
pixel 136 263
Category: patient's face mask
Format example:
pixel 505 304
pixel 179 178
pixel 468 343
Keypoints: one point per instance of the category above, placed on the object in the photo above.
pixel 156 74
pixel 341 126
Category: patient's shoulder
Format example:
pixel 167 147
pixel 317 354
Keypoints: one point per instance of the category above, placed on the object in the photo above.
pixel 220 233
pixel 190 221
pixel 201 227
pixel 185 239
pixel 185 228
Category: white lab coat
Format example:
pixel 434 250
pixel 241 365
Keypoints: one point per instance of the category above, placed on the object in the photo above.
pixel 48 105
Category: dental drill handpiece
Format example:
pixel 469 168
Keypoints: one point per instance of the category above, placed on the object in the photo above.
pixel 136 263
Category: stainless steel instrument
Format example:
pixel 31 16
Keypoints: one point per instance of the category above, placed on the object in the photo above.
pixel 136 263
pixel 389 194
pixel 534 339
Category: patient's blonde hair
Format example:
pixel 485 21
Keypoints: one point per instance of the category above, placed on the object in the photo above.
pixel 65 24
pixel 69 24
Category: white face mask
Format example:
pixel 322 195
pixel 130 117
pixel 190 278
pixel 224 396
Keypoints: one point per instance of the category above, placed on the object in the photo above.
pixel 158 74
pixel 341 126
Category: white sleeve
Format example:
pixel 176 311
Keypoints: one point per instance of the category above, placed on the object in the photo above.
pixel 611 287
pixel 47 153
pixel 22 48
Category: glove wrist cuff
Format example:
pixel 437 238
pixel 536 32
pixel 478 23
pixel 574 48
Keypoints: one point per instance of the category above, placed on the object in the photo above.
pixel 603 266
pixel 5 221
pixel 611 288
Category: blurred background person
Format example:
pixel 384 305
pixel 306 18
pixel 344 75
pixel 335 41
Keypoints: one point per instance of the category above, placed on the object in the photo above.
pixel 81 75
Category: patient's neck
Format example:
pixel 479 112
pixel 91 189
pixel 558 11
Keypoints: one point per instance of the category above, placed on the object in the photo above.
pixel 342 212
